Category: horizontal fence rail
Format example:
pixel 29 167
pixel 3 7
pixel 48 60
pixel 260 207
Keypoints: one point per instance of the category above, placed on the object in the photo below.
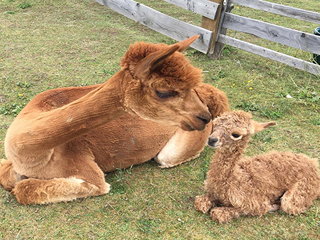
pixel 273 55
pixel 202 7
pixel 293 38
pixel 283 10
pixel 160 22
pixel 286 36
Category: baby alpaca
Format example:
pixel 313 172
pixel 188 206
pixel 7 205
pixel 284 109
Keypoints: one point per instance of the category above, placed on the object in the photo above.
pixel 254 185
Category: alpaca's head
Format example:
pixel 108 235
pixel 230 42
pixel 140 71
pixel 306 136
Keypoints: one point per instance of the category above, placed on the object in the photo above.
pixel 234 128
pixel 162 85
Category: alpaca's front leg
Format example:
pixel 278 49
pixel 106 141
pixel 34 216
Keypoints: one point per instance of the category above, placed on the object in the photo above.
pixel 224 214
pixel 203 203
pixel 79 177
pixel 36 191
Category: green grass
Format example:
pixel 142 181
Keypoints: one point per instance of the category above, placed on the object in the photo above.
pixel 48 44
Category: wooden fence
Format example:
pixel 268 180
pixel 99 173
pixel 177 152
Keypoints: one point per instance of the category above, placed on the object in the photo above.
pixel 165 24
pixel 217 19
pixel 292 38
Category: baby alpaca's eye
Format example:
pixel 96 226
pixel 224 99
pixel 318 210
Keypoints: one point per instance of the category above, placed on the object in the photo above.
pixel 235 135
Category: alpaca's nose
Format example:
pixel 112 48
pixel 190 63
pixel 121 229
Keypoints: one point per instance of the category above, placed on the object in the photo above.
pixel 205 119
pixel 213 141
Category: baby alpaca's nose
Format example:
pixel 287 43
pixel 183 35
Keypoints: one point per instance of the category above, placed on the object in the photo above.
pixel 212 141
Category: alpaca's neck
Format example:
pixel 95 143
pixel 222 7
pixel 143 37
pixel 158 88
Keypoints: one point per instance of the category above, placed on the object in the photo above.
pixel 225 159
pixel 99 106
pixel 58 126
pixel 221 169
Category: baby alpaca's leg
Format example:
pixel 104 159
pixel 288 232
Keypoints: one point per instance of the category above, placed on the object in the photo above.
pixel 224 214
pixel 203 203
pixel 298 198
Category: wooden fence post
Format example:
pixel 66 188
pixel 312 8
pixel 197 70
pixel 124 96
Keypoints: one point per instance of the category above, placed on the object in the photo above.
pixel 212 25
pixel 216 48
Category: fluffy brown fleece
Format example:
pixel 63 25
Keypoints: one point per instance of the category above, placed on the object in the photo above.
pixel 237 185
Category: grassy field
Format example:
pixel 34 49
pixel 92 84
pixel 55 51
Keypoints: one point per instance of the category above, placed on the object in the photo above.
pixel 47 44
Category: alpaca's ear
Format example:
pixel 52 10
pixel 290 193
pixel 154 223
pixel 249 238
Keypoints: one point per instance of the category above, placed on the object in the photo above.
pixel 147 65
pixel 183 45
pixel 215 99
pixel 257 126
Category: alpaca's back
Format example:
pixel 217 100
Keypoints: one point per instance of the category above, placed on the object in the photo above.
pixel 275 171
pixel 284 164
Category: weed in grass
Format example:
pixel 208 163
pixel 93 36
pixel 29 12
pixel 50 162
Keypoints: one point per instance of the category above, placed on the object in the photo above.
pixel 148 226
pixel 315 121
pixel 266 137
pixel 11 109
pixel 190 52
pixel 214 78
pixel 271 113
pixel 23 84
pixel 221 73
pixel 25 5
pixel 309 94
pixel 118 188
pixel 228 50
pixel 302 236
pixel 108 72
pixel 119 183
pixel 274 112
pixel 247 106
pixel 11 12
pixel 281 94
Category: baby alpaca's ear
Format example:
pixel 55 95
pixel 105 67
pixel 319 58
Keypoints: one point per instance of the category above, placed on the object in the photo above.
pixel 257 126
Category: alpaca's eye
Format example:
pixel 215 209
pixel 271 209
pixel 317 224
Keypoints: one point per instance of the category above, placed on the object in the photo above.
pixel 236 135
pixel 166 94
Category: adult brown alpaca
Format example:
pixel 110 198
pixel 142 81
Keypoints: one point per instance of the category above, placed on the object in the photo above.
pixel 254 185
pixel 53 147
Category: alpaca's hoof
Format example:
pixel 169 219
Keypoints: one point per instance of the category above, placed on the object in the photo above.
pixel 166 165
pixel 274 207
pixel 107 189
pixel 203 203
